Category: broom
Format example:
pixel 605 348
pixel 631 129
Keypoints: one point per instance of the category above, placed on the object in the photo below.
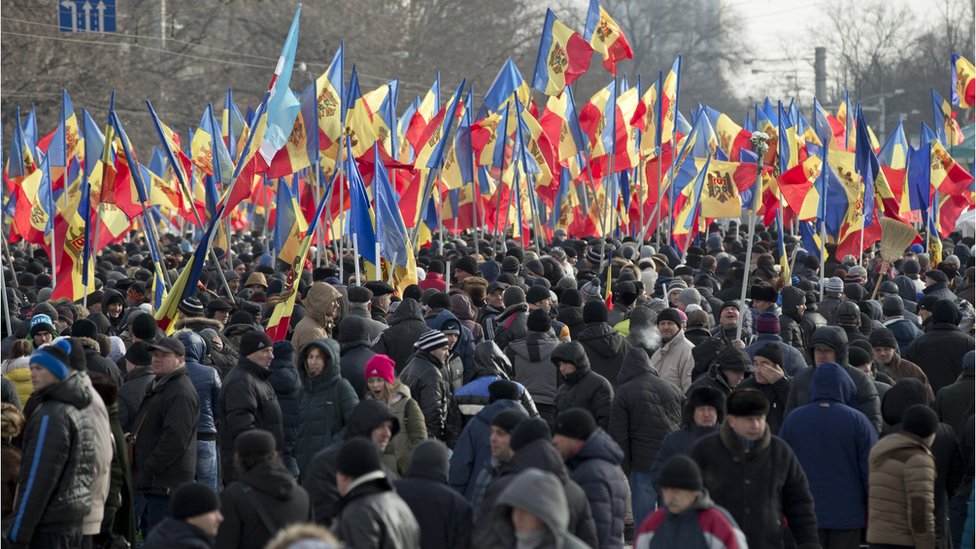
pixel 895 237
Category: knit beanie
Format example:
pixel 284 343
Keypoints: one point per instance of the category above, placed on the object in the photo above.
pixel 42 323
pixel 508 420
pixel 537 294
pixel 772 352
pixel 857 356
pixel 834 286
pixel 54 358
pixel 380 365
pixel 733 359
pixel 883 337
pixel 143 326
pixel 767 323
pixel 358 456
pixel 252 342
pixel 595 311
pixel 681 472
pixel 575 423
pixel 920 421
pixel 669 314
pixel 84 328
pixel 254 443
pixel 513 296
pixel 193 499
pixel 538 321
pixel 467 264
pixel 591 291
pixel 527 431
pixel 690 296
pixel 571 298
pixel 430 340
pixel 893 305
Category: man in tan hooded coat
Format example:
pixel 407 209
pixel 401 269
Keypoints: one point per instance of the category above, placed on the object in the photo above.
pixel 322 304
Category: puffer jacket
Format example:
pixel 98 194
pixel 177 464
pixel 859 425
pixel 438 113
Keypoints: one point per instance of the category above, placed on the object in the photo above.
pixel 473 450
pixel 791 319
pixel 413 430
pixel 247 401
pixel 675 361
pixel 511 324
pixel 424 375
pixel 645 409
pixel 56 467
pixel 596 468
pixel 317 323
pixel 901 499
pixel 325 404
pixel 166 447
pixel 287 385
pixel 373 515
pixel 702 524
pixel 131 393
pixel 405 328
pixel 532 367
pixel 20 376
pixel 267 487
pixel 206 382
pixel 490 365
pixel 867 400
pixel 584 388
pixel 939 352
pixel 832 442
pixel 605 348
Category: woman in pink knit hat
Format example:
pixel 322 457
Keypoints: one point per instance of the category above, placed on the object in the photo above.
pixel 382 385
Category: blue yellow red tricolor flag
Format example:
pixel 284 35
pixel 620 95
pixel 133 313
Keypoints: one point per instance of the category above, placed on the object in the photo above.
pixel 563 56
pixel 606 37
pixel 963 82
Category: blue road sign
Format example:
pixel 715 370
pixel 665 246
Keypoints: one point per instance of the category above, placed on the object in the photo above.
pixel 86 15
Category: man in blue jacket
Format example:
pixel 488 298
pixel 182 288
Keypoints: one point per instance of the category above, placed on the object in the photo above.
pixel 832 442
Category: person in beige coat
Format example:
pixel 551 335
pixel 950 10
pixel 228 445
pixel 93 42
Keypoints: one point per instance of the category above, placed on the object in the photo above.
pixel 382 385
pixel 674 360
pixel 322 304
pixel 901 495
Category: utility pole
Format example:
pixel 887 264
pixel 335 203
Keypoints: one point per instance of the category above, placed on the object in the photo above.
pixel 820 70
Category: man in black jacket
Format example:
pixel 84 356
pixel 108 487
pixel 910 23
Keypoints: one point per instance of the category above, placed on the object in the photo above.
pixel 443 515
pixel 165 434
pixel 397 341
pixel 193 521
pixel 248 401
pixel 583 388
pixel 757 477
pixel 57 466
pixel 424 375
pixel 940 350
pixel 604 346
pixel 645 409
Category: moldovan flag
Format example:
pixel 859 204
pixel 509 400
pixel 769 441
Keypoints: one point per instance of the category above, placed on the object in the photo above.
pixel 963 82
pixel 604 34
pixel 563 56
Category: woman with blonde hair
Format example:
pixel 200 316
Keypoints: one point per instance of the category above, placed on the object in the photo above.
pixel 382 385
pixel 16 368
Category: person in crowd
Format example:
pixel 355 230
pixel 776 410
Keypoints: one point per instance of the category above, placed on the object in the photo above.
pixel 510 323
pixel 206 382
pixel 768 332
pixel 360 299
pixel 444 516
pixel 424 375
pixel 702 414
pixel 532 512
pixel 325 402
pixel 582 387
pixel 730 367
pixel 531 364
pixel 354 352
pixel 888 361
pixel 953 403
pixel 383 386
pixel 768 376
pixel 605 347
pixel 16 368
pixel 499 441
pixel 138 359
pixel 675 360
pixel 193 521
pixel 724 335
pixel 322 305
pixel 406 326
pixel 939 351
pixel 287 385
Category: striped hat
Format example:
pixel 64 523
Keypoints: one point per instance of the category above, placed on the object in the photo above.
pixel 430 340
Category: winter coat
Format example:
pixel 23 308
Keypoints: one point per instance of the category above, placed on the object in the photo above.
pixel 325 404
pixel 247 401
pixel 224 359
pixel 368 328
pixel 899 369
pixel 95 362
pixel 20 376
pixel 433 281
pixel 319 477
pixel 10 457
pixel 793 360
pixel 832 442
pixel 317 324
pixel 464 309
pixel 405 328
pixel 352 364
pixel 760 487
pixel 463 349
pixel 287 385
pixel 680 442
pixel 372 515
pixel 539 493
pixel 703 525
pixel 425 377
pixel 102 462
pixel 645 409
pixel 584 388
pixel 532 367
pixel 205 381
pixel 904 330
pixel 131 393
pixel 119 518
pixel 777 394
pixel 901 501
pixel 443 515
pixel 675 361
pixel 511 324
pixel 56 469
pixel 605 348
pixel 490 529
pixel 954 403
pixel 828 309
pixel 706 353
pixel 939 351
pixel 413 430
pixel 171 533
pixel 867 400
pixel 596 468
pixel 572 317
pixel 165 453
pixel 267 492
pixel 791 319
pixel 472 450
pixel 490 365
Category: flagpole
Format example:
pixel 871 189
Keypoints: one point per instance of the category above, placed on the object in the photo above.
pixel 355 252
pixel 823 222
pixel 501 173
pixel 760 146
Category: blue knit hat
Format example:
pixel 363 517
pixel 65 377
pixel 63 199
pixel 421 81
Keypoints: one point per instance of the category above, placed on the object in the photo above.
pixel 54 357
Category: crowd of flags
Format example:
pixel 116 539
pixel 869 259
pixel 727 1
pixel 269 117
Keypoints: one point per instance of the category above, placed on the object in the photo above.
pixel 333 161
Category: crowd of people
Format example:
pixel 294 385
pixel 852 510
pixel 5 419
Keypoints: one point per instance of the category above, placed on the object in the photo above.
pixel 592 393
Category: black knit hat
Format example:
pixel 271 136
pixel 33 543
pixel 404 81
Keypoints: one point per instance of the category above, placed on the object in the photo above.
pixel 139 354
pixel 537 294
pixel 467 264
pixel 772 352
pixel 747 402
pixel 143 326
pixel 883 337
pixel 357 457
pixel 254 443
pixel 919 420
pixel 575 423
pixel 528 431
pixel 439 300
pixel 252 342
pixel 857 356
pixel 84 328
pixel 595 311
pixel 508 420
pixel 669 314
pixel 503 389
pixel 734 359
pixel 571 297
pixel 513 296
pixel 681 472
pixel 193 499
pixel 538 321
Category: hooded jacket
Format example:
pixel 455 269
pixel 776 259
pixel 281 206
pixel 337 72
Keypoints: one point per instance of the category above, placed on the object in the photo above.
pixel 703 525
pixel 287 385
pixel 605 348
pixel 532 367
pixel 866 397
pixel 18 372
pixel 325 404
pixel 247 401
pixel 443 515
pixel 940 350
pixel 352 363
pixel 760 487
pixel 56 466
pixel 95 362
pixel 791 319
pixel 680 442
pixel 165 453
pixel 206 382
pixel 373 515
pixel 596 468
pixel 405 328
pixel 494 529
pixel 539 493
pixel 459 362
pixel 317 323
pixel 464 309
pixel 645 409
pixel 584 388
pixel 267 487
pixel 572 317
pixel 473 450
pixel 901 500
pixel 319 477
pixel 832 442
